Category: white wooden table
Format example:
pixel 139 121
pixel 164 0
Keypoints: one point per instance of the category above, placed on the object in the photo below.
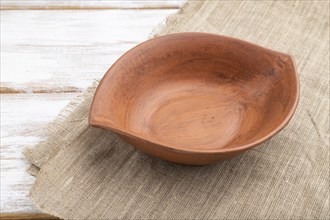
pixel 50 52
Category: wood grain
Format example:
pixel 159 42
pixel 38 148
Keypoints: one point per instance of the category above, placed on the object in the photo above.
pixel 54 51
pixel 89 5
pixel 23 119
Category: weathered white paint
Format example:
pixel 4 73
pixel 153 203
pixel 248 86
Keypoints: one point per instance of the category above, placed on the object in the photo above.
pixel 45 50
pixel 83 4
pixel 47 58
pixel 23 118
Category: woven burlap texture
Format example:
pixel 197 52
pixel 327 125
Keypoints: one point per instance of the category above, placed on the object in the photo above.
pixel 89 173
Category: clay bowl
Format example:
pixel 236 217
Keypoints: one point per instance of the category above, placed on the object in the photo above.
pixel 196 98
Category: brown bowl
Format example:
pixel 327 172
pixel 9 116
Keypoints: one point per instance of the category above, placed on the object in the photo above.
pixel 196 98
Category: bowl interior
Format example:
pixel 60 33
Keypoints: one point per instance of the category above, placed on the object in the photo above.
pixel 196 91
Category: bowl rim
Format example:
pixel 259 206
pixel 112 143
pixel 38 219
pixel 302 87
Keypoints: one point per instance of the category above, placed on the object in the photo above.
pixel 103 123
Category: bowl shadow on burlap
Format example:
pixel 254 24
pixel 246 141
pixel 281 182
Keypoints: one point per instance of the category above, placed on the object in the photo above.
pixel 121 158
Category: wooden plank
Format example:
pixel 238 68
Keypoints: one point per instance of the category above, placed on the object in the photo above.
pixel 53 51
pixel 91 5
pixel 63 51
pixel 23 117
pixel 47 57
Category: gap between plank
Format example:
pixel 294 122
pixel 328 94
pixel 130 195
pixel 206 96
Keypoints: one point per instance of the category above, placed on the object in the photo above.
pixel 6 90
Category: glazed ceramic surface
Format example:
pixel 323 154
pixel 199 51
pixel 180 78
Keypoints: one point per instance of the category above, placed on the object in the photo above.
pixel 196 98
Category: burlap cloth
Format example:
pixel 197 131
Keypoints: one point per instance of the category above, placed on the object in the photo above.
pixel 89 173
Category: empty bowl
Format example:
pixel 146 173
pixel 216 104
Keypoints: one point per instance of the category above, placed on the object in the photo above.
pixel 196 98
